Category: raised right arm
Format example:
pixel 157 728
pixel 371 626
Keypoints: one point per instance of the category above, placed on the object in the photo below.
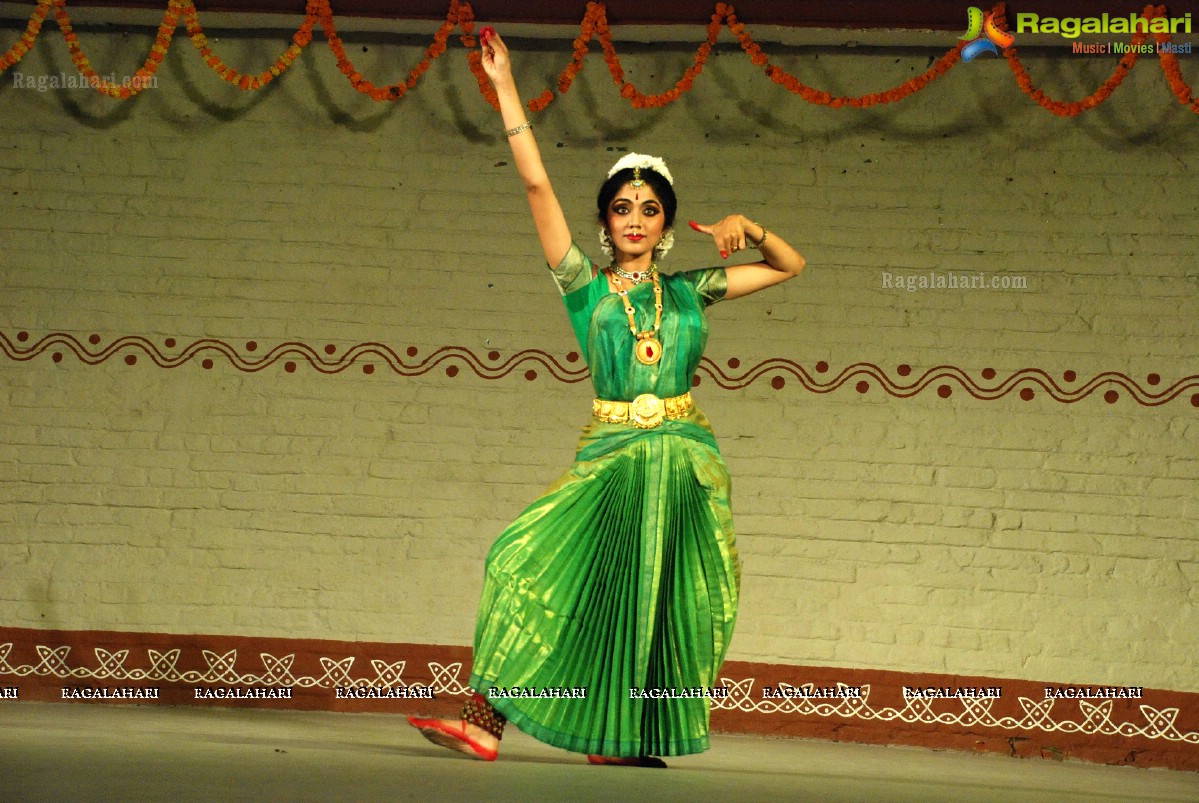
pixel 551 225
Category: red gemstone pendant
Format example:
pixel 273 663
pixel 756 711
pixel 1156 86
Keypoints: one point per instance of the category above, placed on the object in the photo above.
pixel 648 351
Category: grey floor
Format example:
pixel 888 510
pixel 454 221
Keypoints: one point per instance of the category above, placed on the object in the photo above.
pixel 59 752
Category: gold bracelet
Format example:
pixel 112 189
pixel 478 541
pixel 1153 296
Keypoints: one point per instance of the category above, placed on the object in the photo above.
pixel 758 245
pixel 511 132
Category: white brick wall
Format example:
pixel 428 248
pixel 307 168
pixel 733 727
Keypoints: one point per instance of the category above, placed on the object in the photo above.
pixel 1005 538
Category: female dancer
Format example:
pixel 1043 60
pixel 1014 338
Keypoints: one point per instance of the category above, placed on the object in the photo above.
pixel 609 603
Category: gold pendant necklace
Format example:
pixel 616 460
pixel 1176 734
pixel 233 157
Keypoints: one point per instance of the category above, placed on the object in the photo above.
pixel 648 349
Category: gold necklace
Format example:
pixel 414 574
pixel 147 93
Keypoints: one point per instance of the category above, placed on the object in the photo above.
pixel 648 349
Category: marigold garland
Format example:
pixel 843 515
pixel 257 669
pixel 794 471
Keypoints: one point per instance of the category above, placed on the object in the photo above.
pixel 195 31
pixel 594 26
pixel 143 75
pixel 1071 109
pixel 25 43
pixel 460 15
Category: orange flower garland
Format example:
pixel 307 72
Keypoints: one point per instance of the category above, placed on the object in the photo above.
pixel 195 31
pixel 460 15
pixel 1178 86
pixel 815 96
pixel 143 75
pixel 1071 109
pixel 393 91
pixel 1173 72
pixel 25 43
pixel 594 25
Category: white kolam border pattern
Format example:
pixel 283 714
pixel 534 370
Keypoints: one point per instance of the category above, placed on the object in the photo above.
pixel 277 671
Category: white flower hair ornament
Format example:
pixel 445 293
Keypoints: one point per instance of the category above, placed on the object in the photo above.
pixel 638 161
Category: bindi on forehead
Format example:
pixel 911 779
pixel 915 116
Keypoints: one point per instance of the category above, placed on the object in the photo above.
pixel 631 190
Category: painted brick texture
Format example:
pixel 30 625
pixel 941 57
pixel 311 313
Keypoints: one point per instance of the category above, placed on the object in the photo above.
pixel 905 531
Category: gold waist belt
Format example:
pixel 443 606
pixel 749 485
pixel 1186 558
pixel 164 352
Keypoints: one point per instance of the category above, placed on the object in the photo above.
pixel 646 411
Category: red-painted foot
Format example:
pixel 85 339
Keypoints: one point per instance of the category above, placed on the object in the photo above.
pixel 453 737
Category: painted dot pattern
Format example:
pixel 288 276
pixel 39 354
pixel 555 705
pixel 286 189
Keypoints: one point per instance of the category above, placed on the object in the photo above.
pixel 945 381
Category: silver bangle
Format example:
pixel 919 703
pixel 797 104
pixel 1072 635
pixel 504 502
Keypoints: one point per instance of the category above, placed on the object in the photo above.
pixel 511 132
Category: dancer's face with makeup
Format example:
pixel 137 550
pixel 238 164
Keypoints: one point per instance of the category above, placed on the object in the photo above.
pixel 635 220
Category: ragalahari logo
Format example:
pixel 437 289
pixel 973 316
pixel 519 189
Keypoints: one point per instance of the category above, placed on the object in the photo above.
pixel 983 35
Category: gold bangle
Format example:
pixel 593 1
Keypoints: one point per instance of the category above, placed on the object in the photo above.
pixel 758 245
pixel 511 132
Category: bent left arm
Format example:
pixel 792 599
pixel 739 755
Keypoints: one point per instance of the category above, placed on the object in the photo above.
pixel 779 260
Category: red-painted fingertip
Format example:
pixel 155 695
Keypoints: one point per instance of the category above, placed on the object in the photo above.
pixel 486 33
pixel 724 254
pixel 694 225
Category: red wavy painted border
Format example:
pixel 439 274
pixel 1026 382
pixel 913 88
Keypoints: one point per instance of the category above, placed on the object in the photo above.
pixel 330 359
